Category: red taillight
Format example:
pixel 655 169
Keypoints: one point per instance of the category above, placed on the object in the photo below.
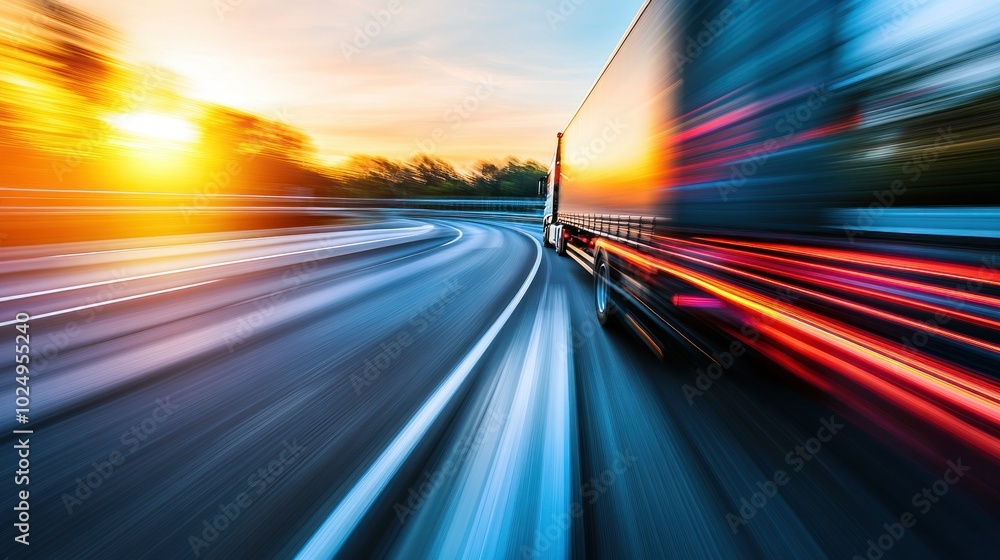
pixel 702 302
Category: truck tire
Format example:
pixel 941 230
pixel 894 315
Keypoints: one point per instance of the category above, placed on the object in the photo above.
pixel 604 291
pixel 545 237
pixel 561 245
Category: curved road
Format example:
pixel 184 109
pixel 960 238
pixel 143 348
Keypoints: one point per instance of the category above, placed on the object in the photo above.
pixel 424 389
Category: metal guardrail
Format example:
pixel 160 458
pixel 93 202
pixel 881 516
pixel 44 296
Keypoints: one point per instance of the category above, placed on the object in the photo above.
pixel 627 228
pixel 34 201
pixel 483 204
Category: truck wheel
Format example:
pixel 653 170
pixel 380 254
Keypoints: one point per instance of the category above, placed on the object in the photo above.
pixel 561 245
pixel 545 237
pixel 604 290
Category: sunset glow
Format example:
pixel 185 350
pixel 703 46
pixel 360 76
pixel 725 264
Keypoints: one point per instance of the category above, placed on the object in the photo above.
pixel 151 131
pixel 339 69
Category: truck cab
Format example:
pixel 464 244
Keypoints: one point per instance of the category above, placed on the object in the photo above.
pixel 551 187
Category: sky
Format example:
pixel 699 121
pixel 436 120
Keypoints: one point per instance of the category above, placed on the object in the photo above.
pixel 460 79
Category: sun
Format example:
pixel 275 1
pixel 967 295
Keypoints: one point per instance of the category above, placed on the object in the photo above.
pixel 154 131
pixel 155 150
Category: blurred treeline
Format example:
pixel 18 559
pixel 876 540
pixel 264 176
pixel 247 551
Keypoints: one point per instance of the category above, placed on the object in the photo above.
pixel 427 175
pixel 63 82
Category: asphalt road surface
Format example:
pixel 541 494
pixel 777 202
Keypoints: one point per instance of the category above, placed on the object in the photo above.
pixel 418 388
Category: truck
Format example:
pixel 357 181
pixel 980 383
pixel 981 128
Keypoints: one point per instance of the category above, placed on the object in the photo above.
pixel 721 133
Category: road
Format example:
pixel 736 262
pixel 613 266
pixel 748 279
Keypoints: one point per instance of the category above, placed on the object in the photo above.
pixel 420 388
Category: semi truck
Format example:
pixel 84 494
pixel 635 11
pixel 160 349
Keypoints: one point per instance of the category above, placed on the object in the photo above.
pixel 723 140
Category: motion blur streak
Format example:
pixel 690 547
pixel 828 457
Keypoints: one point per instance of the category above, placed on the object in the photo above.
pixel 521 458
pixel 563 436
pixel 717 256
pixel 239 350
pixel 961 402
pixel 119 300
pixel 417 231
pixel 164 271
pixel 922 266
pixel 330 537
pixel 877 281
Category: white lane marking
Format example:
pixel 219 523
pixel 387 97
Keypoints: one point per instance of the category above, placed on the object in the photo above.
pixel 421 230
pixel 196 244
pixel 530 470
pixel 332 534
pixel 150 248
pixel 509 470
pixel 556 479
pixel 111 301
pixel 167 246
pixel 411 255
pixel 381 264
pixel 460 236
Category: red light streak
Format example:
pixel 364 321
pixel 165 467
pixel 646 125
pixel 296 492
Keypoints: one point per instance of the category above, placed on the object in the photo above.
pixel 956 400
